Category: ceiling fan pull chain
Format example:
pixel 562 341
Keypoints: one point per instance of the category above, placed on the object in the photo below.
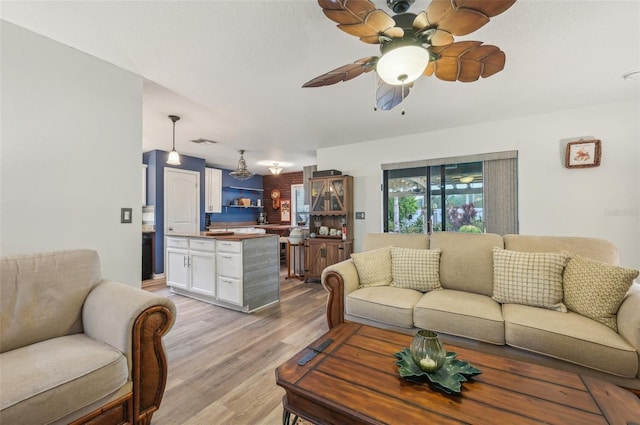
pixel 402 88
pixel 375 91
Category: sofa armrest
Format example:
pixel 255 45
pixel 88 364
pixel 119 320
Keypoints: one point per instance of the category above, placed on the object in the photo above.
pixel 629 317
pixel 338 280
pixel 134 322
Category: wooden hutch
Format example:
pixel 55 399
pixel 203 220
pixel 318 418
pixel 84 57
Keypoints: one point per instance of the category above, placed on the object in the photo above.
pixel 331 220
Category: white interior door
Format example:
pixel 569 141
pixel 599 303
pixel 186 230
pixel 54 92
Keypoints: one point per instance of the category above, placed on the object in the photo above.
pixel 181 201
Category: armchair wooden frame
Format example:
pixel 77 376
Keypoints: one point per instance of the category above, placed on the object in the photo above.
pixel 149 374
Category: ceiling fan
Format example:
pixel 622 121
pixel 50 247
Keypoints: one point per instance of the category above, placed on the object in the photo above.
pixel 412 45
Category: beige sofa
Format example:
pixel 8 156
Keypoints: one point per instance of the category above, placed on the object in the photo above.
pixel 75 348
pixel 464 312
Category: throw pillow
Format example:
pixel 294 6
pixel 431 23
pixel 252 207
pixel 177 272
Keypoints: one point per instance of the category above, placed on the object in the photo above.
pixel 595 289
pixel 374 267
pixel 417 269
pixel 530 278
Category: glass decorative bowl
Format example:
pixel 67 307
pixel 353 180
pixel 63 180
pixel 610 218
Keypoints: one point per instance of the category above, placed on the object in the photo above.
pixel 427 351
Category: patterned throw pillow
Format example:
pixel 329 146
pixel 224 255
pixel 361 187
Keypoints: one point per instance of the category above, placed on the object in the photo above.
pixel 530 278
pixel 374 267
pixel 417 269
pixel 596 289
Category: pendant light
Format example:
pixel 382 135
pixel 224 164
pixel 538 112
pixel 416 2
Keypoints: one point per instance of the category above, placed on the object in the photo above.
pixel 241 173
pixel 174 156
pixel 275 169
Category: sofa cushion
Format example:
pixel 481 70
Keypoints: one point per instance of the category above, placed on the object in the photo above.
pixel 595 289
pixel 42 295
pixel 461 313
pixel 404 240
pixel 415 268
pixel 530 278
pixel 596 249
pixel 385 304
pixel 466 260
pixel 50 379
pixel 570 337
pixel 374 267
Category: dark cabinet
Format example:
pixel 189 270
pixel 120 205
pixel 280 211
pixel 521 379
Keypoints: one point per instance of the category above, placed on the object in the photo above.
pixel 331 221
pixel 321 253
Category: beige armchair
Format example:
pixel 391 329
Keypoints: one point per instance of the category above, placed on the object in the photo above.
pixel 75 348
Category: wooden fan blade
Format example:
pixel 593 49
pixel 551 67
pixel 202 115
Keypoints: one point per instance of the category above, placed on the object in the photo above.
pixel 460 17
pixel 420 22
pixel 466 61
pixel 493 63
pixel 388 96
pixel 342 16
pixel 490 8
pixel 375 24
pixel 372 39
pixel 441 38
pixel 344 73
pixel 345 11
pixel 457 49
pixel 463 21
pixel 446 69
pixel 437 9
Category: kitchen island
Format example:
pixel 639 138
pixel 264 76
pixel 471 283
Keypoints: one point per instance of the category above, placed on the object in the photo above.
pixel 236 271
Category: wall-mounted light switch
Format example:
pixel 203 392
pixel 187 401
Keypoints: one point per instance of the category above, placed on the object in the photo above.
pixel 125 215
pixel 360 215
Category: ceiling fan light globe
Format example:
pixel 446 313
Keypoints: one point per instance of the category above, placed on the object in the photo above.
pixel 174 158
pixel 402 65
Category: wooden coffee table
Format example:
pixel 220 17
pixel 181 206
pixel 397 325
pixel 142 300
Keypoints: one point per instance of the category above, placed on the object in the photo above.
pixel 355 381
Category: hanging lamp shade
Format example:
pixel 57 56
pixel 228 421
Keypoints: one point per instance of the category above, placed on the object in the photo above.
pixel 403 64
pixel 241 173
pixel 174 156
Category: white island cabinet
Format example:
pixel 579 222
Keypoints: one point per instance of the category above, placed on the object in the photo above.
pixel 191 265
pixel 238 272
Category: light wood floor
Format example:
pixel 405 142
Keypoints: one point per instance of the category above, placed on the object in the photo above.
pixel 222 362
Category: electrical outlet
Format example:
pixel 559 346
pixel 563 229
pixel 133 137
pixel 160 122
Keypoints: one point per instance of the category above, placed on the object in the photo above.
pixel 360 215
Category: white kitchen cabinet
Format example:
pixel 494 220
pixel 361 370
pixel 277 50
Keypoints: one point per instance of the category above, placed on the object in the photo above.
pixel 230 271
pixel 213 190
pixel 177 257
pixel 202 254
pixel 191 265
pixel 230 290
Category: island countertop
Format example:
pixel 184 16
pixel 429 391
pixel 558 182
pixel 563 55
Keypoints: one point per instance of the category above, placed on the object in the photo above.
pixel 221 235
pixel 217 227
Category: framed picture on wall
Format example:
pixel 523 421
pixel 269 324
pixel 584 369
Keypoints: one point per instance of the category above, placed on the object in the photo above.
pixel 583 154
pixel 285 210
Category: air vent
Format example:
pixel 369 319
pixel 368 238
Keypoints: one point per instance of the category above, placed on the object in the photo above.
pixel 202 141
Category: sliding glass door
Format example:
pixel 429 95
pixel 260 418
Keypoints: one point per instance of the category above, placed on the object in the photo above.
pixel 434 198
pixel 406 192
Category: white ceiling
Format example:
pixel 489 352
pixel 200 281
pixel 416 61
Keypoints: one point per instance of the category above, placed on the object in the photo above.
pixel 233 70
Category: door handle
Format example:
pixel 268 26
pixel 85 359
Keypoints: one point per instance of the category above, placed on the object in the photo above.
pixel 323 252
pixel 170 228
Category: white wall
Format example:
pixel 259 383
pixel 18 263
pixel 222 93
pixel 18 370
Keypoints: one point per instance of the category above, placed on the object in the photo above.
pixel 71 149
pixel 602 202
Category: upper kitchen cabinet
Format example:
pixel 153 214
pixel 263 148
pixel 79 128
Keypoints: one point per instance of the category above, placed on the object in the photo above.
pixel 331 195
pixel 213 190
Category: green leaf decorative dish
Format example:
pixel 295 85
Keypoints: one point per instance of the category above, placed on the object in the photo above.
pixel 448 378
